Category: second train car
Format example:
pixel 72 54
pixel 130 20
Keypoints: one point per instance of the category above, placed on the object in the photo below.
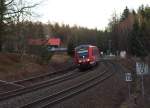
pixel 86 56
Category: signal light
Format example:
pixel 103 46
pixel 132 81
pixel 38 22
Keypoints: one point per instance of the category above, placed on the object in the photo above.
pixel 88 59
pixel 80 61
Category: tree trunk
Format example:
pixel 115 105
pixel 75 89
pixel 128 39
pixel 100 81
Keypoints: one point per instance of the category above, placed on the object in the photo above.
pixel 1 33
pixel 0 47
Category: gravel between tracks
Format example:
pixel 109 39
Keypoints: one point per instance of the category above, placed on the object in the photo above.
pixel 109 94
pixel 18 101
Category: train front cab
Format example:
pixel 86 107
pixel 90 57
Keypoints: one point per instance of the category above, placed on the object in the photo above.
pixel 87 58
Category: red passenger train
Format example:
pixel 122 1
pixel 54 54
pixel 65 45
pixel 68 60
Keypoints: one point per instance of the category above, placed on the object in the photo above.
pixel 86 56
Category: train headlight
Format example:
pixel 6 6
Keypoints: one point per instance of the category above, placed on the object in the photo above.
pixel 80 61
pixel 92 58
pixel 88 59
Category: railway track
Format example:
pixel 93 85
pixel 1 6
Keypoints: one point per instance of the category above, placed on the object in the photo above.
pixel 46 102
pixel 10 96
pixel 8 86
pixel 40 85
pixel 32 80
pixel 69 75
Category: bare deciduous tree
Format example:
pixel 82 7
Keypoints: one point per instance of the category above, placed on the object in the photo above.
pixel 13 11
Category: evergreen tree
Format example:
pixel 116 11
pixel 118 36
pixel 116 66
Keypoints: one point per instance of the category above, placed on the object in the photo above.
pixel 3 10
pixel 133 12
pixel 147 13
pixel 136 41
pixel 40 31
pixel 70 48
pixel 141 10
pixel 125 14
pixel 10 11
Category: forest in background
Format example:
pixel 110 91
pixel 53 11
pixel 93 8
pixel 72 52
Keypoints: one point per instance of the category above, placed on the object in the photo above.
pixel 129 32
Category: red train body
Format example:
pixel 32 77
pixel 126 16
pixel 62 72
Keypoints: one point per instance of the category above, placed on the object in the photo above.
pixel 86 56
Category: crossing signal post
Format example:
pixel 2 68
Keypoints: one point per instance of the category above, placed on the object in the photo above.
pixel 128 79
pixel 142 69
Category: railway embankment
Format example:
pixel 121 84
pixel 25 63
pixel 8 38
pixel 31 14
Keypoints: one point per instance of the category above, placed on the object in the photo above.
pixel 13 67
pixel 112 93
pixel 137 99
pixel 108 94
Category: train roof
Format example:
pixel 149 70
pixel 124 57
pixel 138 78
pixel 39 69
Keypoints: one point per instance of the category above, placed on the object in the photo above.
pixel 84 46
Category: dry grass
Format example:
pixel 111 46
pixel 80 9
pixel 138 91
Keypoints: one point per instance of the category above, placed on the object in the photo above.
pixel 60 58
pixel 13 68
pixel 130 63
pixel 124 105
pixel 60 61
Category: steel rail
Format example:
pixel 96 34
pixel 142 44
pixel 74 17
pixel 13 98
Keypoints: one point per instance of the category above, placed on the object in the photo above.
pixel 40 85
pixel 51 99
pixel 77 92
pixel 44 76
pixel 80 89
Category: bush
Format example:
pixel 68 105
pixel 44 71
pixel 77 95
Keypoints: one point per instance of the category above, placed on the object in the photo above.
pixel 70 49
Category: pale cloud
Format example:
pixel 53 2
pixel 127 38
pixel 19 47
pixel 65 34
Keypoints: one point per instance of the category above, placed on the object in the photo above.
pixel 86 13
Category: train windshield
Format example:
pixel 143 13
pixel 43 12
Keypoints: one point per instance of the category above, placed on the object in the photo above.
pixel 82 53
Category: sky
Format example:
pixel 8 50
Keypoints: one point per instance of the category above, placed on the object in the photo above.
pixel 86 13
